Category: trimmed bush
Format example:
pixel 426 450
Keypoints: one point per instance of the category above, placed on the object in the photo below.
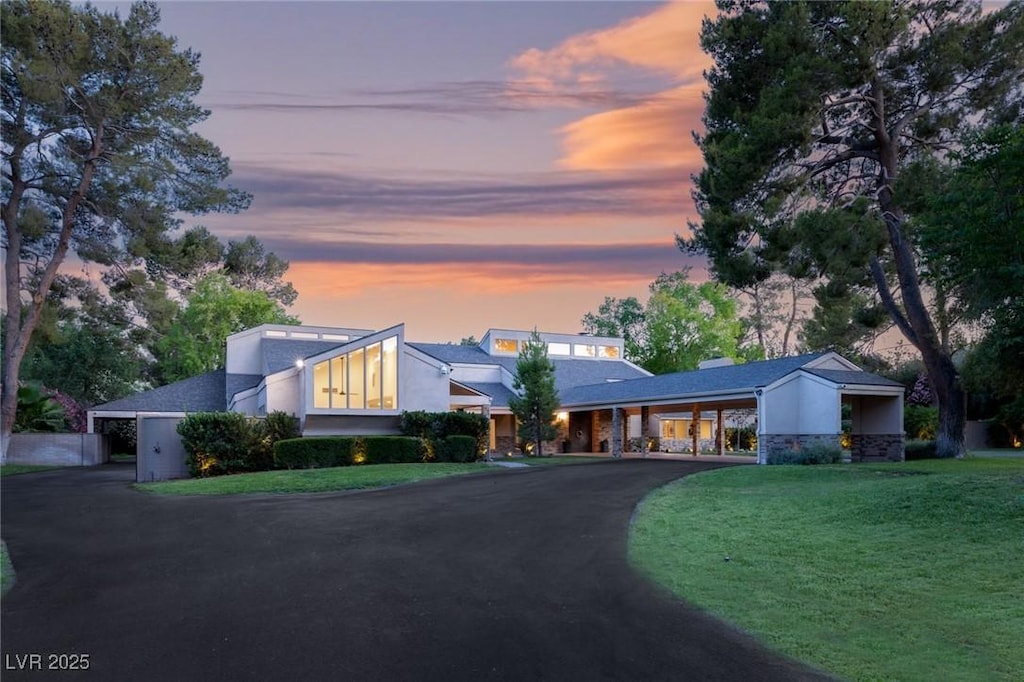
pixel 217 443
pixel 919 449
pixel 391 449
pixel 456 449
pixel 920 422
pixel 436 426
pixel 314 453
pixel 813 453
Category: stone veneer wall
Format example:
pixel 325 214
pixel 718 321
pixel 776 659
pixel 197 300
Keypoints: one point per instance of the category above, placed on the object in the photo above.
pixel 791 441
pixel 876 447
pixel 685 445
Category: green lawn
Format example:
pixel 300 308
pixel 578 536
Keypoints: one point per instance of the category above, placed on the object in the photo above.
pixel 908 571
pixel 6 570
pixel 312 480
pixel 12 469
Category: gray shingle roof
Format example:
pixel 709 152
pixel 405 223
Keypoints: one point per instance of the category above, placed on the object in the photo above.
pixel 840 376
pixel 279 354
pixel 499 393
pixel 569 372
pixel 204 393
pixel 715 379
pixel 236 383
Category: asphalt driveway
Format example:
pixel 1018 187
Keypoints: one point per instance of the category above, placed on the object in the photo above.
pixel 506 575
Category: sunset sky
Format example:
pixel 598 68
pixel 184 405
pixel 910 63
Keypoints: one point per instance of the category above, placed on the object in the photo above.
pixel 455 166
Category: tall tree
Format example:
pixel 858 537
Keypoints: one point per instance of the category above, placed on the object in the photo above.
pixel 250 266
pixel 534 406
pixel 814 111
pixel 681 324
pixel 98 150
pixel 194 343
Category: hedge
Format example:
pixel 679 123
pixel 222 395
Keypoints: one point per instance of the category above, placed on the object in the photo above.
pixel 217 443
pixel 392 449
pixel 456 449
pixel 314 453
pixel 435 427
pixel 919 449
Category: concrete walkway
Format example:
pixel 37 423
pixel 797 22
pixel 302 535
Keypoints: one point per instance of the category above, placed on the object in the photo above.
pixel 505 575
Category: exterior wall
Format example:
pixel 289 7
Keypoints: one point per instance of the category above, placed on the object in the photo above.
pixel 876 415
pixel 58 449
pixel 580 432
pixel 490 375
pixel 421 386
pixel 247 406
pixel 351 425
pixel 876 447
pixel 601 430
pixel 686 444
pixel 504 434
pixel 243 354
pixel 285 394
pixel 160 454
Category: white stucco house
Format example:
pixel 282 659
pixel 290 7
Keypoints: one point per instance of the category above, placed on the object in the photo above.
pixel 340 381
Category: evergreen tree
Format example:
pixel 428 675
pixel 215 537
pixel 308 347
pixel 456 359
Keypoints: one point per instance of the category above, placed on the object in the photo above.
pixel 534 406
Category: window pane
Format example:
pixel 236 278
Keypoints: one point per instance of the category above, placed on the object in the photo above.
pixel 356 394
pixel 339 392
pixel 608 351
pixel 585 350
pixel 506 346
pixel 558 348
pixel 321 386
pixel 390 373
pixel 373 377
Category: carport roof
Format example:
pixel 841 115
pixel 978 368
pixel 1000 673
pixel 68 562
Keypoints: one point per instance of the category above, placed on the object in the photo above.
pixel 203 393
pixel 841 376
pixel 727 379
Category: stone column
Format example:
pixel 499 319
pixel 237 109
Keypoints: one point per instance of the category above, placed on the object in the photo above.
pixel 645 430
pixel 617 425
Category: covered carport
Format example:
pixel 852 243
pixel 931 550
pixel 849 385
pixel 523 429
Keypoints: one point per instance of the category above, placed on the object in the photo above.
pixel 797 400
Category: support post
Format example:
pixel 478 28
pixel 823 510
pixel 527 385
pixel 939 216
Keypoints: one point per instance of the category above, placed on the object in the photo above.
pixel 695 427
pixel 720 437
pixel 617 432
pixel 645 430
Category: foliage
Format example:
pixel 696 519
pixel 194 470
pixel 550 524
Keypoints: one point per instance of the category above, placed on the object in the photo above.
pixel 920 422
pixel 536 397
pixel 813 453
pixel 99 156
pixel 823 545
pixel 434 427
pixel 37 410
pixel 314 453
pixel 76 419
pixel 914 450
pixel 391 449
pixel 681 324
pixel 267 431
pixel 813 113
pixel 218 443
pixel 123 435
pixel 457 449
pixel 921 393
pixel 195 342
pixel 250 267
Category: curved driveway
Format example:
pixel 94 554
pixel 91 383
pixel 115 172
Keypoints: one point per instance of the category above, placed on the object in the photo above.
pixel 505 575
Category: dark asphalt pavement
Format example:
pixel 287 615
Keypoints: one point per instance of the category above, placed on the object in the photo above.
pixel 506 575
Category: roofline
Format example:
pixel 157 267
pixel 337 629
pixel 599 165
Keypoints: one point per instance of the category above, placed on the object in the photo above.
pixel 664 400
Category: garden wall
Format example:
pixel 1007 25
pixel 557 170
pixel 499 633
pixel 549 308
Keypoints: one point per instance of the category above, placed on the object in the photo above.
pixel 59 449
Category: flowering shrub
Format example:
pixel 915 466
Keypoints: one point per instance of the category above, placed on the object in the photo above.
pixel 74 413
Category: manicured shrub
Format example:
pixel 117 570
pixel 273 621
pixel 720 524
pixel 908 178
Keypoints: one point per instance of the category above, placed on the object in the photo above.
pixel 920 422
pixel 392 449
pixel 314 453
pixel 919 449
pixel 457 449
pixel 217 443
pixel 812 453
pixel 275 427
pixel 436 426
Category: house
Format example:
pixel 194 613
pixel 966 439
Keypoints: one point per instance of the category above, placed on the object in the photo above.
pixel 339 381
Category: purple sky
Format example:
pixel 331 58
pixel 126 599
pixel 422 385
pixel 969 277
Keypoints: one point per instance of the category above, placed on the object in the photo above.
pixel 455 166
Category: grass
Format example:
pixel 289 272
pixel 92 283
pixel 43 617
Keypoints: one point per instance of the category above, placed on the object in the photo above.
pixel 907 571
pixel 13 469
pixel 312 480
pixel 6 570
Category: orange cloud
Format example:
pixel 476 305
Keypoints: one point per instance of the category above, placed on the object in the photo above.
pixel 653 133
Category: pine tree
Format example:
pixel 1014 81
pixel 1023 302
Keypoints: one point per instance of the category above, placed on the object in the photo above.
pixel 537 400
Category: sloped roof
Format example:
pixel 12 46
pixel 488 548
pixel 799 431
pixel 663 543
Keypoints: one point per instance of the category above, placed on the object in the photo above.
pixel 203 393
pixel 569 372
pixel 751 375
pixel 280 354
pixel 499 393
pixel 236 383
pixel 840 376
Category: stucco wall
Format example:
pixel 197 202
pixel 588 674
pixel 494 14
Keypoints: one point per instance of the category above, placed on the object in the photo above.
pixel 283 394
pixel 423 387
pixel 802 405
pixel 349 425
pixel 876 415
pixel 243 354
pixel 58 449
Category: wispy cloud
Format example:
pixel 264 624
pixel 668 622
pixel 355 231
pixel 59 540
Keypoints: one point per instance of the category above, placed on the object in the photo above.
pixel 349 196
